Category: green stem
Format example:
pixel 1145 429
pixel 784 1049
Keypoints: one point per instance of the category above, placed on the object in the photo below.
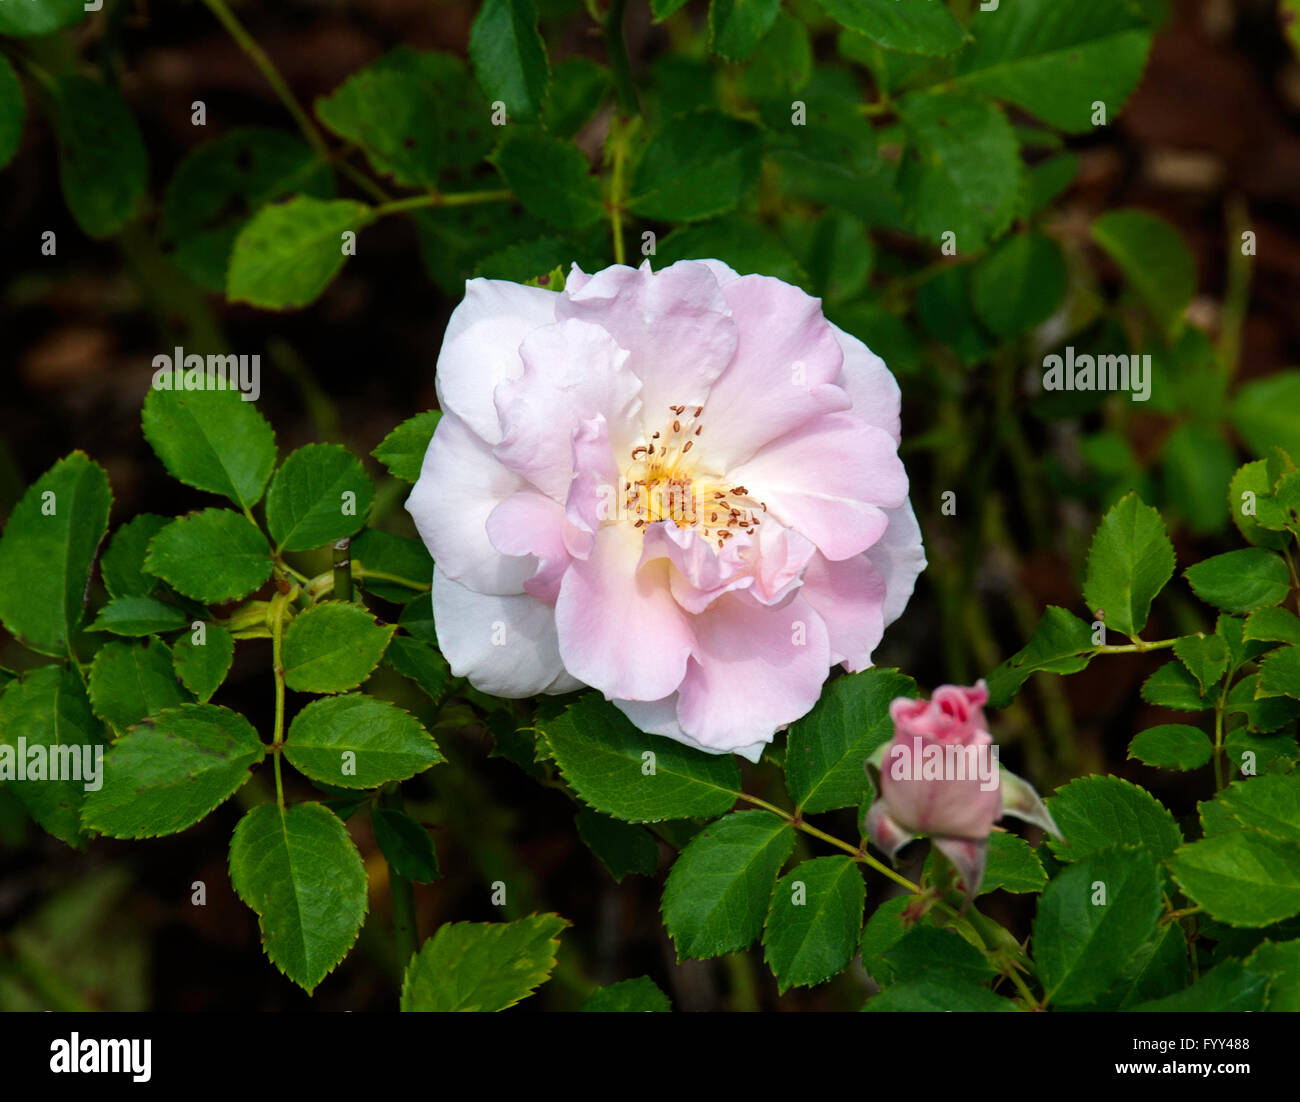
pixel 858 853
pixel 1136 647
pixel 1218 735
pixel 619 65
pixel 267 68
pixel 443 199
pixel 343 569
pixel 401 893
pixel 617 143
pixel 279 603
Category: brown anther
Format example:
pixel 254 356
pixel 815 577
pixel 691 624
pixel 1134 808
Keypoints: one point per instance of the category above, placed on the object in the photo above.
pixel 699 429
pixel 699 410
pixel 688 446
pixel 677 426
pixel 739 490
pixel 638 524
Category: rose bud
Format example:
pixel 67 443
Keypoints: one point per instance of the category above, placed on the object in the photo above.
pixel 940 776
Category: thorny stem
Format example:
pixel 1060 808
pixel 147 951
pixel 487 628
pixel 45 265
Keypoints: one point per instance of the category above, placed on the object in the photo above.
pixel 619 132
pixel 443 199
pixel 619 66
pixel 279 603
pixel 267 68
pixel 343 569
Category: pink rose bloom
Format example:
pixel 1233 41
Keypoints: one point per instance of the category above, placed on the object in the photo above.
pixel 681 488
pixel 940 776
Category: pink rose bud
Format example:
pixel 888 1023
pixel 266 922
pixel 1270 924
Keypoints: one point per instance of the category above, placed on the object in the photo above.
pixel 940 776
pixel 940 773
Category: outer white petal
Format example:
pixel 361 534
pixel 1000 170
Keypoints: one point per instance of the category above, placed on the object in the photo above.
pixel 481 348
pixel 460 483
pixel 470 625
pixel 871 385
pixel 659 717
pixel 899 556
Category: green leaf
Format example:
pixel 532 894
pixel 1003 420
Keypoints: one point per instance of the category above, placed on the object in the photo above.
pixel 1226 987
pixel 319 494
pixel 1243 877
pixel 136 616
pixel 839 257
pixel 1267 413
pixel 333 647
pixel 483 966
pixel 402 450
pixel 1171 686
pixel 28 20
pixel 622 848
pixel 102 161
pixel 1277 625
pixel 417 660
pixel 1010 864
pixel 212 440
pixel 1154 260
pixel 405 844
pixel 509 57
pixel 358 741
pixel 13 111
pixel 1019 284
pixel 219 185
pixel 1159 968
pixel 1205 656
pixel 924 953
pixel 1281 964
pixel 696 166
pixel 662 9
pixel 949 994
pixel 1270 804
pixel 1061 643
pixel 735 26
pixel 47 707
pixel 1279 673
pixel 578 87
pixel 827 749
pixel 129 681
pixel 813 921
pixel 719 888
pixel 1095 812
pixel 961 172
pixel 288 252
pixel 909 26
pixel 47 551
pixel 1196 464
pixel 213 556
pixel 1239 581
pixel 1248 486
pixel 1269 713
pixel 1129 562
pixel 298 869
pixel 884 928
pixel 1172 746
pixel 551 178
pixel 1055 60
pixel 1046 181
pixel 735 240
pixel 633 776
pixel 170 770
pixel 390 109
pixel 202 667
pixel 628 997
pixel 122 563
pixel 376 553
pixel 1092 920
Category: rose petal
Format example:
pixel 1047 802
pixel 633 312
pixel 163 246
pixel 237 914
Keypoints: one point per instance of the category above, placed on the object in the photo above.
pixel 753 670
pixel 831 479
pixel 620 629
pixel 460 483
pixel 505 645
pixel 481 348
